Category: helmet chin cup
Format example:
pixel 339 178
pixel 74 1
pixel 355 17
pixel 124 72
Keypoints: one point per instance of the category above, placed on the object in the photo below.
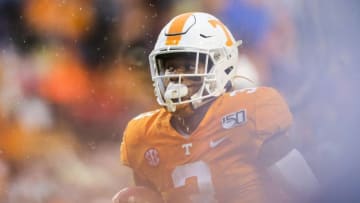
pixel 175 91
pixel 170 106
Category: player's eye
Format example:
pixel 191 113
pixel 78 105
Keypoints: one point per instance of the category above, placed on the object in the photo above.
pixel 189 67
pixel 170 69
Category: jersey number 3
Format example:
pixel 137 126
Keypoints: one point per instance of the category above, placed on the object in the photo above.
pixel 201 171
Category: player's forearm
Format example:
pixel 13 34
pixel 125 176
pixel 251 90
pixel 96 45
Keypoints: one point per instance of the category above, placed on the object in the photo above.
pixel 295 175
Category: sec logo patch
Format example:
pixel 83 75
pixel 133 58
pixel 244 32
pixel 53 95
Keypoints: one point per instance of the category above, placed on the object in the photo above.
pixel 152 157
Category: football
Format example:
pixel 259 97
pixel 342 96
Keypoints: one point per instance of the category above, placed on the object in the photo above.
pixel 137 194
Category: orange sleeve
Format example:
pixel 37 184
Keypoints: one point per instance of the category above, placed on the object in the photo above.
pixel 272 114
pixel 123 152
pixel 129 142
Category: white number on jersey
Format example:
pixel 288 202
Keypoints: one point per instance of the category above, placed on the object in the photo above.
pixel 201 171
pixel 249 90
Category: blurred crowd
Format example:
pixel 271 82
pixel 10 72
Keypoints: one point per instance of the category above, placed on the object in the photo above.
pixel 73 72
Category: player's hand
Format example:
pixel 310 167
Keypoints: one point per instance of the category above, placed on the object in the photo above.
pixel 137 194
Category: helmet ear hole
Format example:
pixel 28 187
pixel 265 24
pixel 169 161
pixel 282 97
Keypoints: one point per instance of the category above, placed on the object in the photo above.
pixel 228 70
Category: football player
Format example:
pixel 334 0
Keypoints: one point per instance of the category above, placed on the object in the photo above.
pixel 211 142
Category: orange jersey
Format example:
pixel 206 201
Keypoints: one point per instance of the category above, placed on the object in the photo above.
pixel 217 162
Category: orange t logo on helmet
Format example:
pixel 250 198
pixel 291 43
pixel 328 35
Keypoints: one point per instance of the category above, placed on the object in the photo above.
pixel 176 29
pixel 214 23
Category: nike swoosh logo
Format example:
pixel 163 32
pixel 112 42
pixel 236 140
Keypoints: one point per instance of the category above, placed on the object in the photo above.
pixel 205 36
pixel 215 143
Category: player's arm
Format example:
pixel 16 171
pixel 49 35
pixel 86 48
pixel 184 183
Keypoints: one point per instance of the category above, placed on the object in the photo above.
pixel 139 181
pixel 277 154
pixel 287 167
pixel 139 191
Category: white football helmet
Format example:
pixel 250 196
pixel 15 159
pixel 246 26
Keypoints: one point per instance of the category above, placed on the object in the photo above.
pixel 210 42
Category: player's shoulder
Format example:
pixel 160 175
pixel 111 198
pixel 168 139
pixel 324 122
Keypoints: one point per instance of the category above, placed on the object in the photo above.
pixel 145 118
pixel 146 115
pixel 268 93
pixel 249 95
pixel 252 91
pixel 140 123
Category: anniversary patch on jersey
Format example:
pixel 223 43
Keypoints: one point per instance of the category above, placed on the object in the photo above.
pixel 152 157
pixel 234 119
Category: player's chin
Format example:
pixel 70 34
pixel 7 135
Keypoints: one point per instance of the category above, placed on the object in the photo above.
pixel 184 109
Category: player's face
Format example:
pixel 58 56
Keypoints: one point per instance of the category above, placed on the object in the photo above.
pixel 183 64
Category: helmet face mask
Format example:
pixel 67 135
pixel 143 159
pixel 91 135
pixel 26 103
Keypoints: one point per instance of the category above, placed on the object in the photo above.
pixel 177 86
pixel 210 51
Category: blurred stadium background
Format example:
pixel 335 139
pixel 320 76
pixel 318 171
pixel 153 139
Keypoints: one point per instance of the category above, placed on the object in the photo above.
pixel 73 72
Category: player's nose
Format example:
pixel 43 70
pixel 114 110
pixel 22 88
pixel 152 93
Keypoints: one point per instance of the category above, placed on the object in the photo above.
pixel 176 79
